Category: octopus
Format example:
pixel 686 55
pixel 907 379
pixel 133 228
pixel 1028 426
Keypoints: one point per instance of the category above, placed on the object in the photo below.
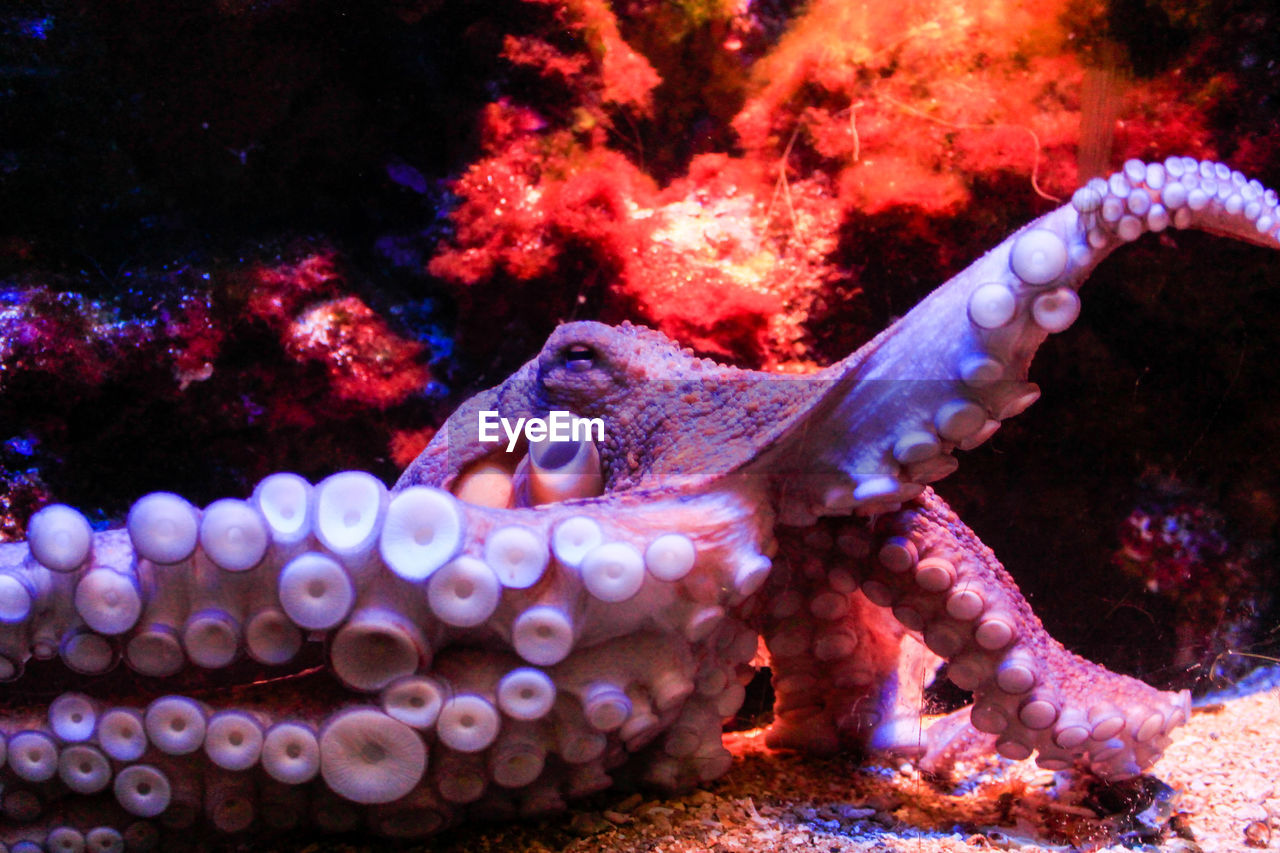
pixel 523 621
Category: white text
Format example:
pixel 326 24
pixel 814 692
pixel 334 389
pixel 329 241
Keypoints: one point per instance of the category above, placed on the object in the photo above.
pixel 556 426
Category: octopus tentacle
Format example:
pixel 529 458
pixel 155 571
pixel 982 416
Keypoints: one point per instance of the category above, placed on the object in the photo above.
pixel 845 673
pixel 531 654
pixel 944 586
pixel 943 377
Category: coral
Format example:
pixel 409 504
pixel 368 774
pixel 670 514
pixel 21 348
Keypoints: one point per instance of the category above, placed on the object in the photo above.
pixel 226 352
pixel 1183 552
pixel 857 116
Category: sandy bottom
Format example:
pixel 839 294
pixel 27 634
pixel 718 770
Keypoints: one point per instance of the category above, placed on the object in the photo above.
pixel 1216 789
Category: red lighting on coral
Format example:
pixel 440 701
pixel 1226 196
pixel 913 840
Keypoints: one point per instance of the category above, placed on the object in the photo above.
pixel 844 112
pixel 367 363
pixel 276 293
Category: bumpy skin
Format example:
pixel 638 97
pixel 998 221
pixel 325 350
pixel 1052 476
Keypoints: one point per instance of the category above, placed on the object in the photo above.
pixel 503 632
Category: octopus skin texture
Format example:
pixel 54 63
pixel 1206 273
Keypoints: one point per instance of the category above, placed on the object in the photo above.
pixel 502 632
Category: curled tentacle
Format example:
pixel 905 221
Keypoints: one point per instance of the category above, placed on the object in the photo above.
pixel 949 590
pixel 947 374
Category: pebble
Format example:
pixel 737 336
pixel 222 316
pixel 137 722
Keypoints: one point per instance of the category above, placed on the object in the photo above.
pixel 653 810
pixel 1257 834
pixel 588 823
pixel 854 812
pixel 629 804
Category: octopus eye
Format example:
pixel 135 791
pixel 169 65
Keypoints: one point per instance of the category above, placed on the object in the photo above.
pixel 579 357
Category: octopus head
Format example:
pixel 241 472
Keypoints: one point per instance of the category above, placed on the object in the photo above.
pixel 653 415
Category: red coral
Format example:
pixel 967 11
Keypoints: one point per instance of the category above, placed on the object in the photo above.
pixel 366 362
pixel 196 339
pixel 407 444
pixel 501 223
pixel 21 494
pixel 544 58
pixel 275 293
pixel 709 312
pixel 719 260
pixel 75 340
pixel 860 115
pixel 620 76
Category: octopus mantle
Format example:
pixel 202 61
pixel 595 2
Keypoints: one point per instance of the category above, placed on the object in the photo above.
pixel 502 632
